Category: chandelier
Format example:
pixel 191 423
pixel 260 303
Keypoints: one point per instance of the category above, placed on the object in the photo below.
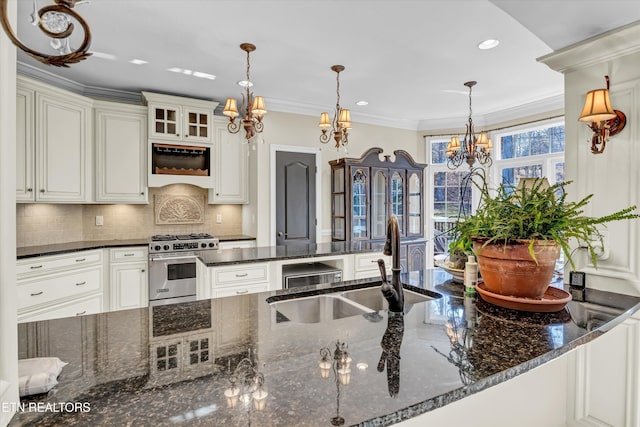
pixel 472 147
pixel 340 363
pixel 341 122
pixel 254 107
pixel 55 22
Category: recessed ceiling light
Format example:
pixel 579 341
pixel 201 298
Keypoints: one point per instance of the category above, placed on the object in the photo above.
pixel 362 103
pixel 362 366
pixel 203 75
pixel 138 61
pixel 175 70
pixel 488 44
pixel 188 72
pixel 103 55
pixel 245 83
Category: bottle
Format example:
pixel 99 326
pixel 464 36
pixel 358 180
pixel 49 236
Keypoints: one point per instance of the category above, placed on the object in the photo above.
pixel 470 276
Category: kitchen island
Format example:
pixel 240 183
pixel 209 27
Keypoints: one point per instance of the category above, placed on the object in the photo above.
pixel 441 351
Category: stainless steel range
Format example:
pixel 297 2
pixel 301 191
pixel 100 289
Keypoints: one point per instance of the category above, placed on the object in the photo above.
pixel 172 266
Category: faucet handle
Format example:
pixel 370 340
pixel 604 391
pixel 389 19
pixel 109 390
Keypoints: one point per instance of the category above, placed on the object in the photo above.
pixel 383 270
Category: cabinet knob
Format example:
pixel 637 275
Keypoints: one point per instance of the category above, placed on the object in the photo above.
pixel 42 190
pixel 217 194
pixel 186 136
pixel 29 190
pixel 142 270
pixel 81 313
pixel 142 193
pixel 178 135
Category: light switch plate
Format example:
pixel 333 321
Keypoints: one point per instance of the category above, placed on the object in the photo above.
pixel 219 219
pixel 577 279
pixel 99 220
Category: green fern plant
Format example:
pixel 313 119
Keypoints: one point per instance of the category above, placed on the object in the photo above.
pixel 537 212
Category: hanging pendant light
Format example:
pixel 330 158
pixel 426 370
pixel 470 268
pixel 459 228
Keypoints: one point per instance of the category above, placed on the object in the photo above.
pixel 341 122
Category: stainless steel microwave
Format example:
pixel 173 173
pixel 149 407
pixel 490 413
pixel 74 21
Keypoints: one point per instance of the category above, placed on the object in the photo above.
pixel 307 274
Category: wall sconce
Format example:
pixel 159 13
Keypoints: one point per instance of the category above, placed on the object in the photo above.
pixel 246 385
pixel 55 22
pixel 603 120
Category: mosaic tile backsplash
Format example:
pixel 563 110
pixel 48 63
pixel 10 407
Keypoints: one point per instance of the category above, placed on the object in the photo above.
pixel 44 224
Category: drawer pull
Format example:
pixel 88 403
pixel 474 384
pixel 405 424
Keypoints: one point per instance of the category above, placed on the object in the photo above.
pixel 35 294
pixel 81 313
pixel 163 290
pixel 81 259
pixel 35 267
pixel 242 292
pixel 129 254
pixel 242 275
pixel 81 283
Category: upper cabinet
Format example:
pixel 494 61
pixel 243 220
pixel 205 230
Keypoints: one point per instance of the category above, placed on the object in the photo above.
pixel 175 118
pixel 121 153
pixel 366 191
pixel 54 144
pixel 230 166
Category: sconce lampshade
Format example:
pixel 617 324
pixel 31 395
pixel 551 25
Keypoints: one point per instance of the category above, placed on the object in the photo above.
pixel 597 107
pixel 231 108
pixel 258 107
pixel 325 123
pixel 344 119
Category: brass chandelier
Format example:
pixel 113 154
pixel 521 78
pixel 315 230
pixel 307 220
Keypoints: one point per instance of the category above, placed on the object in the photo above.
pixel 341 122
pixel 472 147
pixel 254 107
pixel 55 22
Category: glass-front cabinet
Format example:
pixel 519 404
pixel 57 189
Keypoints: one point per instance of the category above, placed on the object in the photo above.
pixel 366 190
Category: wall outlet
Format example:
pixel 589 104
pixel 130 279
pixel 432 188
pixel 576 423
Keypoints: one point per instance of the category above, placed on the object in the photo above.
pixel 99 220
pixel 219 219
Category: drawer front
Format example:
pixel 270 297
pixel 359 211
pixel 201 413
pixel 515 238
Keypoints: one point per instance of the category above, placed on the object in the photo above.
pixel 139 253
pixel 240 290
pixel 78 307
pixel 47 264
pixel 242 273
pixel 365 262
pixel 57 287
pixel 237 244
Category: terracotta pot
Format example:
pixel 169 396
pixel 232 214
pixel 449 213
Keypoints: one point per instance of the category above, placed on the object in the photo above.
pixel 510 270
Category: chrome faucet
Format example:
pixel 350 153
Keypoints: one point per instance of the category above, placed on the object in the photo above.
pixel 392 291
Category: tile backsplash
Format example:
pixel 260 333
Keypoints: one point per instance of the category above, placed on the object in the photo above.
pixel 44 224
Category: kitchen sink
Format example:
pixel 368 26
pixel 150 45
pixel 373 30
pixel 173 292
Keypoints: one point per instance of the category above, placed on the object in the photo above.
pixel 373 298
pixel 337 305
pixel 318 308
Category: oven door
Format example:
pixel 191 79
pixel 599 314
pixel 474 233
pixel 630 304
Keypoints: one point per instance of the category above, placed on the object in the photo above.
pixel 172 278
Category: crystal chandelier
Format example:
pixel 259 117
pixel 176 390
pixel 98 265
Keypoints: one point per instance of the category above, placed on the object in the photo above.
pixel 341 122
pixel 254 107
pixel 55 22
pixel 472 147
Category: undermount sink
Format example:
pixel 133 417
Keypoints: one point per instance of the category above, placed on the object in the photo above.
pixel 337 305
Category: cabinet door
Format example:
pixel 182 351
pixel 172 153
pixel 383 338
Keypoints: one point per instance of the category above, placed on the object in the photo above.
pixel 338 215
pixel 359 203
pixel 397 192
pixel 25 146
pixel 63 149
pixel 414 204
pixel 379 202
pixel 231 183
pixel 129 286
pixel 197 125
pixel 121 154
pixel 416 256
pixel 165 121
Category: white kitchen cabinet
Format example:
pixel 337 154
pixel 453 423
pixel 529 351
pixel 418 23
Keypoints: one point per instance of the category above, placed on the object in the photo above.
pixel 366 265
pixel 59 169
pixel 230 166
pixel 237 244
pixel 128 278
pixel 239 279
pixel 54 286
pixel 121 153
pixel 176 118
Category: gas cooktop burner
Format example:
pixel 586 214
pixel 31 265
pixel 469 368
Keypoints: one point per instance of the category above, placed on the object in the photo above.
pixel 162 243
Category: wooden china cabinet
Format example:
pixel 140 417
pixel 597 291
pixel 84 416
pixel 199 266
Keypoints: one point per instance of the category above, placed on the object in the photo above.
pixel 366 190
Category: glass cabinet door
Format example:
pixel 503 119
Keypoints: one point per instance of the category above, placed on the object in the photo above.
pixel 414 225
pixel 359 190
pixel 337 204
pixel 379 204
pixel 166 122
pixel 197 125
pixel 397 198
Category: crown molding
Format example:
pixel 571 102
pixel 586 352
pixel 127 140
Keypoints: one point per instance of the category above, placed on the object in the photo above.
pixel 601 48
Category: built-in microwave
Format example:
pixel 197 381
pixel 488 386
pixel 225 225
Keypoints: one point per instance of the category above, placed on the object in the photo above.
pixel 306 274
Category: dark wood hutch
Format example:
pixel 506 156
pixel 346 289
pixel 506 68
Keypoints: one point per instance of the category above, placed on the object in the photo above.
pixel 366 190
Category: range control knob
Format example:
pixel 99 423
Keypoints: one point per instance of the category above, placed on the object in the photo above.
pixel 166 247
pixel 203 245
pixel 157 247
pixel 211 245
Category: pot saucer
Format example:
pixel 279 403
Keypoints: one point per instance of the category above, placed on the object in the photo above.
pixel 554 299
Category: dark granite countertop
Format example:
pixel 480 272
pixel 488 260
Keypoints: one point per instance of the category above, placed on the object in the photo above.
pixel 440 351
pixel 61 248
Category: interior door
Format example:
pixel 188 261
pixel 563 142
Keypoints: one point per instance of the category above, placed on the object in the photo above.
pixel 295 198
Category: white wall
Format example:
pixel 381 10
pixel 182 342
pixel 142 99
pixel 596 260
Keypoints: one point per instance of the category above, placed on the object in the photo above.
pixel 303 131
pixel 8 330
pixel 613 176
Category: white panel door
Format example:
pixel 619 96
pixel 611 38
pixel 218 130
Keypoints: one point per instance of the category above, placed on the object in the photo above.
pixel 25 149
pixel 62 149
pixel 129 286
pixel 121 153
pixel 231 161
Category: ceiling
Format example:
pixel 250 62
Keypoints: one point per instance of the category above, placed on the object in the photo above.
pixel 407 58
